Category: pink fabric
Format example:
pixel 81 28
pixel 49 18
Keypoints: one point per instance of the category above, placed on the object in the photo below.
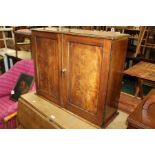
pixel 7 106
pixel 7 83
pixel 9 79
pixel 11 124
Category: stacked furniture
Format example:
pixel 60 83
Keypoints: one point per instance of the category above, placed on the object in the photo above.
pixel 79 71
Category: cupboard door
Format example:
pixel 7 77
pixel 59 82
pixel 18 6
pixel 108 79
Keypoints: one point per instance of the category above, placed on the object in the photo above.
pixel 47 62
pixel 86 67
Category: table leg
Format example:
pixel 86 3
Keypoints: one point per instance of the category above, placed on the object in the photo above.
pixel 16 48
pixel 139 88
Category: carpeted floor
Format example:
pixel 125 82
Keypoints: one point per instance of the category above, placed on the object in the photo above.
pixel 129 86
pixel 119 122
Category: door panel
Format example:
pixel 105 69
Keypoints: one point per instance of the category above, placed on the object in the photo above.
pixel 85 80
pixel 84 75
pixel 48 67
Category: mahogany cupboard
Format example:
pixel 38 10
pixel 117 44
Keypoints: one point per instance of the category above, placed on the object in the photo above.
pixel 80 70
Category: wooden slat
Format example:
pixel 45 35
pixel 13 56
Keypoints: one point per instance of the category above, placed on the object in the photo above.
pixel 7 118
pixel 149 46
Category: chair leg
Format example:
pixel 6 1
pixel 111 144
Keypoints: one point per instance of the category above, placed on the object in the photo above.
pixel 4 39
pixel 16 47
pixel 13 38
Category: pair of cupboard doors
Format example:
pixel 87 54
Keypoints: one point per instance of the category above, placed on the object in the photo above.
pixel 79 73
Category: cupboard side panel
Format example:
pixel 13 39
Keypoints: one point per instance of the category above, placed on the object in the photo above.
pixel 118 55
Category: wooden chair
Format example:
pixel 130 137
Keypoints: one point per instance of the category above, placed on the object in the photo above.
pixel 144 115
pixel 5 37
pixel 149 42
pixel 139 53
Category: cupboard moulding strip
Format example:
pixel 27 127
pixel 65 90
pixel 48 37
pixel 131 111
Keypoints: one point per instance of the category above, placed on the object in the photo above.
pixel 88 33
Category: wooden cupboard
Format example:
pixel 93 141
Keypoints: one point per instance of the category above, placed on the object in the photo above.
pixel 80 70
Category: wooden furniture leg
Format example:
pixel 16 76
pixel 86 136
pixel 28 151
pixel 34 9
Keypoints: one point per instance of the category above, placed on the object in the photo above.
pixel 16 48
pixel 9 118
pixel 139 88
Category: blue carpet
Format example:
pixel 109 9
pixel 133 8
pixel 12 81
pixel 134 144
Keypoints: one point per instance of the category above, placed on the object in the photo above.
pixel 129 84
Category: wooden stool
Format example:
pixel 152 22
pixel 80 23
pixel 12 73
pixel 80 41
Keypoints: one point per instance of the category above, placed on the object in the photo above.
pixel 22 33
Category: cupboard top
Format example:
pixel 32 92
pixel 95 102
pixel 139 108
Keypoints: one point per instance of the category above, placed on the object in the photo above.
pixel 90 33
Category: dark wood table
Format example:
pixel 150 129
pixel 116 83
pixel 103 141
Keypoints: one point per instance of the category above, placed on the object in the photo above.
pixel 142 71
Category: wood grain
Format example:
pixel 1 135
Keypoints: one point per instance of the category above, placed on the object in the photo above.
pixel 47 58
pixel 84 75
pixel 143 70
